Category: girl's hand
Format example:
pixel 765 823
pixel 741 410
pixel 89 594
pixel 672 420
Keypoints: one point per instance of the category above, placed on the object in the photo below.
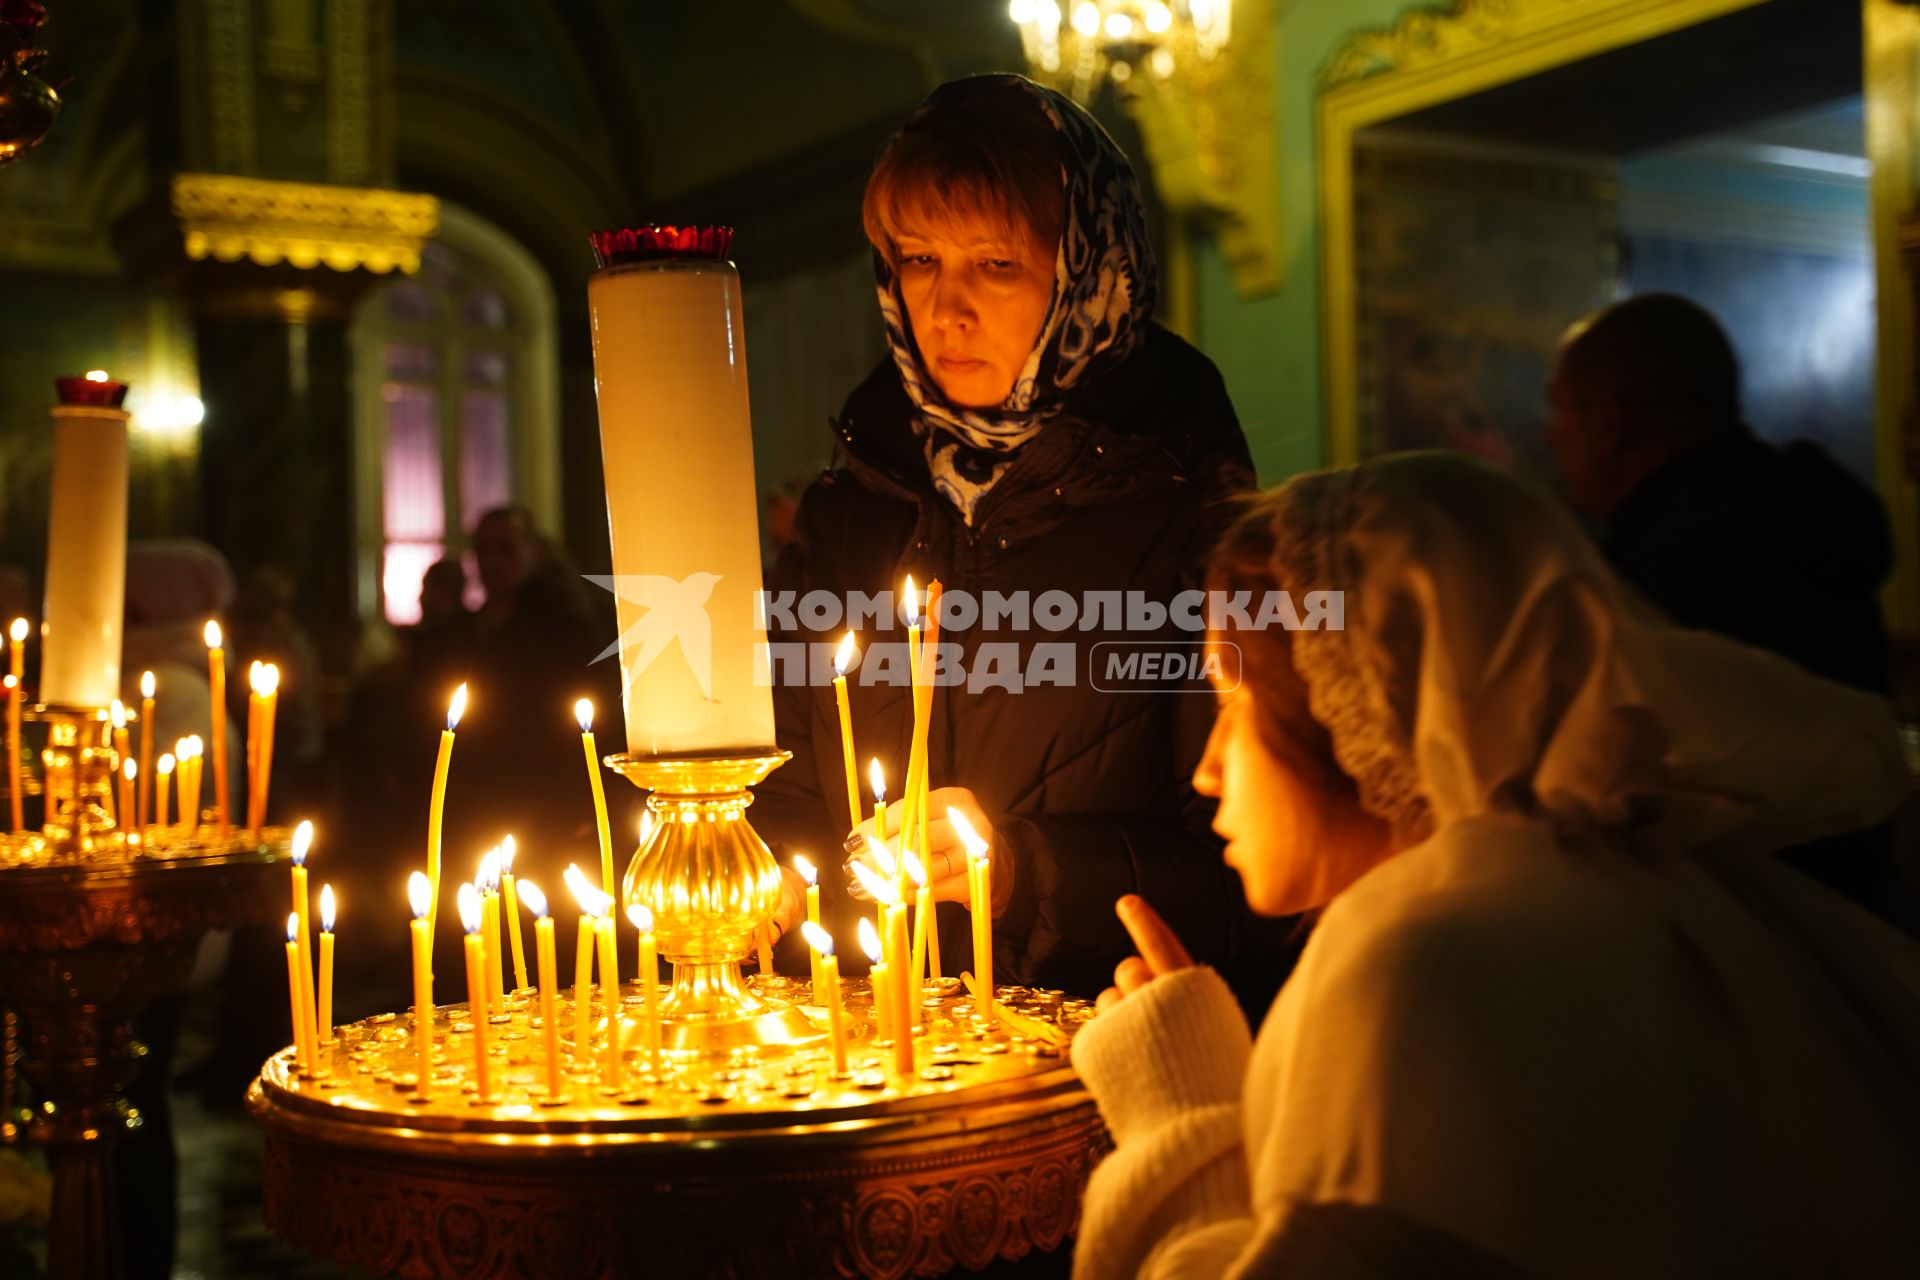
pixel 1160 951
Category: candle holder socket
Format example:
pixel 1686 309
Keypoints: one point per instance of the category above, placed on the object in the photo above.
pixel 711 883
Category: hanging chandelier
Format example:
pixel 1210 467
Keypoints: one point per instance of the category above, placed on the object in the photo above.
pixel 1076 45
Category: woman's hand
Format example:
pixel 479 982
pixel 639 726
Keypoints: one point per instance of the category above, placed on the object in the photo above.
pixel 1160 951
pixel 793 901
pixel 945 860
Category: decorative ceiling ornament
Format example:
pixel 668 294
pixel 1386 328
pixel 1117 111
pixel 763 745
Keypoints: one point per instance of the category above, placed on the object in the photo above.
pixel 226 217
pixel 1197 77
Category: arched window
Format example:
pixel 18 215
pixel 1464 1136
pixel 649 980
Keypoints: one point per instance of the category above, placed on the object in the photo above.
pixel 457 406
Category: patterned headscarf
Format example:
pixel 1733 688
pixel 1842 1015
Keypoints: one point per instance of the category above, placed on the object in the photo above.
pixel 1103 292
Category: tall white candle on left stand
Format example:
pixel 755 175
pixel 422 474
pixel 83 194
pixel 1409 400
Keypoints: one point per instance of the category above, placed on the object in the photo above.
pixel 669 361
pixel 86 555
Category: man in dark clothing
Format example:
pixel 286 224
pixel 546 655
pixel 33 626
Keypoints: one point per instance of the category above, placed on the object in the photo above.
pixel 517 769
pixel 1774 546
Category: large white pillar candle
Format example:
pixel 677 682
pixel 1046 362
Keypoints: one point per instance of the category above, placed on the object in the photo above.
pixel 86 557
pixel 671 370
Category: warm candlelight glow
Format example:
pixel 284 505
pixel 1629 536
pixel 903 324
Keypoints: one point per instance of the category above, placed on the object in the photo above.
pixel 468 900
pixel 165 766
pixel 592 901
pixel 583 714
pixel 883 858
pixel 805 869
pixel 96 375
pixel 877 779
pixel 18 631
pixel 508 847
pixel 915 871
pixel 489 878
pixel 146 684
pixel 536 900
pixel 420 894
pixel 130 770
pixel 641 915
pixel 880 888
pixel 117 712
pixel 212 634
pixel 869 939
pixel 302 836
pixel 843 656
pixel 265 677
pixel 818 938
pixel 326 908
pixel 457 707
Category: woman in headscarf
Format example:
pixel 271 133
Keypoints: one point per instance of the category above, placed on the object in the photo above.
pixel 1561 1015
pixel 1031 430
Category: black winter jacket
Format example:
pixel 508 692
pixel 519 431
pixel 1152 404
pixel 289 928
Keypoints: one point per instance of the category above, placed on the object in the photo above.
pixel 1089 791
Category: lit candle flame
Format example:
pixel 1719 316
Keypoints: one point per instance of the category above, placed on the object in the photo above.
pixel 880 888
pixel 913 604
pixel 508 847
pixel 117 712
pixel 877 779
pixel 212 634
pixel 976 847
pixel 489 878
pixel 326 908
pixel 805 868
pixel 883 858
pixel 593 902
pixel 869 939
pixel 129 769
pixel 641 915
pixel 817 938
pixel 165 764
pixel 265 677
pixel 420 894
pixel 915 871
pixel 191 747
pixel 457 707
pixel 18 631
pixel 10 682
pixel 96 375
pixel 469 899
pixel 293 925
pixel 843 656
pixel 536 900
pixel 583 713
pixel 146 684
pixel 302 834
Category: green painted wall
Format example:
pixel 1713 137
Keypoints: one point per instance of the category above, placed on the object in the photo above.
pixel 1268 348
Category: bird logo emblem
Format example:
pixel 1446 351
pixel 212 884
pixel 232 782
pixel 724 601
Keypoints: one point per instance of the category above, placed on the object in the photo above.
pixel 674 610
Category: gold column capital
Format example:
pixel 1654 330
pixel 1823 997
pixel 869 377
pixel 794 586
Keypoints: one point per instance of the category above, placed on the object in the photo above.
pixel 228 218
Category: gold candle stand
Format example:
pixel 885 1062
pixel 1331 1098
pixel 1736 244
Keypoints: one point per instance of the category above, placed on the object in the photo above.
pixel 711 883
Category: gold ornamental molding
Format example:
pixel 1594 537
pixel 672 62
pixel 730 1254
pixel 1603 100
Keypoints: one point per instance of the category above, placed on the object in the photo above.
pixel 1435 54
pixel 229 218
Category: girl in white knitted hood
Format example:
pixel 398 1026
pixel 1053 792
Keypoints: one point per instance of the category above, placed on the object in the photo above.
pixel 1561 1014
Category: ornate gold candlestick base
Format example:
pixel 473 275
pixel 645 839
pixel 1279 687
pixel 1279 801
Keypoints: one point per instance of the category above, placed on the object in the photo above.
pixel 711 883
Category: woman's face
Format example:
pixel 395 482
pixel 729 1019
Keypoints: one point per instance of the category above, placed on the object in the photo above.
pixel 1295 843
pixel 976 300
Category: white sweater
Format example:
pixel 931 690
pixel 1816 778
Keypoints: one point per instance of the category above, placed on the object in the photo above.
pixel 1576 1063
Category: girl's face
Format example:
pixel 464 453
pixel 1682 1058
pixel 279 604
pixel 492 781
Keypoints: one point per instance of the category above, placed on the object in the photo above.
pixel 1295 842
pixel 976 300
